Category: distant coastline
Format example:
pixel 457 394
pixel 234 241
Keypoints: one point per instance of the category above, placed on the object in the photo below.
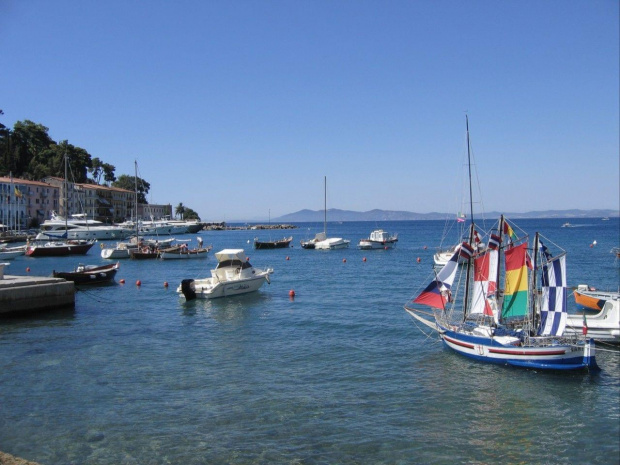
pixel 304 216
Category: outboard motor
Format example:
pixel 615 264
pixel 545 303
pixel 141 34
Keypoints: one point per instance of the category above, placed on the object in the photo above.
pixel 187 289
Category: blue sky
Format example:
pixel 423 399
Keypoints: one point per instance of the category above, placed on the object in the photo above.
pixel 238 108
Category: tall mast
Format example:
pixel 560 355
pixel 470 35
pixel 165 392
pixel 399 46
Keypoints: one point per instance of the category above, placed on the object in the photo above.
pixel 66 198
pixel 325 206
pixel 471 201
pixel 471 231
pixel 533 290
pixel 135 196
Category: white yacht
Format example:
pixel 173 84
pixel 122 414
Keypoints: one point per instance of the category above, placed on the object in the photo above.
pixel 81 228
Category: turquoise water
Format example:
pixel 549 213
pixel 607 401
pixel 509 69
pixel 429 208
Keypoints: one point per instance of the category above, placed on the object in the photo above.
pixel 339 374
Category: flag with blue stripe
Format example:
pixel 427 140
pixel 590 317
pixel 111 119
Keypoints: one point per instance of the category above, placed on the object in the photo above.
pixel 554 294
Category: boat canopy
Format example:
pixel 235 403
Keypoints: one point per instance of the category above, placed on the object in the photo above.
pixel 230 254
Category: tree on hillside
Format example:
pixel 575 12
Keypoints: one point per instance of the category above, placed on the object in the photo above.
pixel 129 183
pixel 96 170
pixel 190 214
pixel 103 170
pixel 26 141
pixel 51 162
pixel 108 173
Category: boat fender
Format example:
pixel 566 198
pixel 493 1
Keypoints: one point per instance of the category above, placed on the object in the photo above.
pixel 102 245
pixel 187 290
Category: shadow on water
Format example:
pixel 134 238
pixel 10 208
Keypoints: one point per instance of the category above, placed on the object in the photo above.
pixel 225 309
pixel 48 318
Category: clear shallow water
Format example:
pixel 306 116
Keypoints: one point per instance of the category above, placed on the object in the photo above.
pixel 340 374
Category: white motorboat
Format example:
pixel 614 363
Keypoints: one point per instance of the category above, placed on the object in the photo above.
pixel 233 275
pixel 310 243
pixel 80 227
pixel 121 250
pixel 602 326
pixel 332 243
pixel 9 253
pixel 379 239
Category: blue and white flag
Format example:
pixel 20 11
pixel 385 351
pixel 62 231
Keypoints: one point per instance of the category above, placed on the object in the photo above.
pixel 554 291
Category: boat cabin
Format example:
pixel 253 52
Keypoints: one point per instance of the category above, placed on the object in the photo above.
pixel 379 235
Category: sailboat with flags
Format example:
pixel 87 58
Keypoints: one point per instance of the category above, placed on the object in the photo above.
pixel 507 304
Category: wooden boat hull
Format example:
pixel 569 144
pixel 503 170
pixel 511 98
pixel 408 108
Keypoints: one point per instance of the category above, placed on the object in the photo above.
pixel 96 275
pixel 593 300
pixel 183 254
pixel 58 250
pixel 140 255
pixel 281 244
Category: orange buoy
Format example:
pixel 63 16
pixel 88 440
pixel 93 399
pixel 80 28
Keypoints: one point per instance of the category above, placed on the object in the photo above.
pixel 138 283
pixel 291 293
pixel 122 281
pixel 165 283
pixel 287 257
pixel 344 260
pixel 418 260
pixel 364 259
pixel 28 269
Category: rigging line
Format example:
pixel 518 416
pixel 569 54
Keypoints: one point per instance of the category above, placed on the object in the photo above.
pixel 423 330
pixel 598 349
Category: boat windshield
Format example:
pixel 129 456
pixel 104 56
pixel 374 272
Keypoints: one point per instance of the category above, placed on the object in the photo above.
pixel 233 263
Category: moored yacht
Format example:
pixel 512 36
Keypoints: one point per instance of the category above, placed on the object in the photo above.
pixel 80 228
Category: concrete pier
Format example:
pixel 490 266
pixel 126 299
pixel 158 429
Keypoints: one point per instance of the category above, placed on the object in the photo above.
pixel 27 294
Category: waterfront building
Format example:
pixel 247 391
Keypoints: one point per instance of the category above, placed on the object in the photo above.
pixel 25 203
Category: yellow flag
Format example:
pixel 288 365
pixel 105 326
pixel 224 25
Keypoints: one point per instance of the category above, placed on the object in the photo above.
pixel 18 193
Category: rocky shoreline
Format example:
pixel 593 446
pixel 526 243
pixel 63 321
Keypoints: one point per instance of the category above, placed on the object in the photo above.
pixel 8 459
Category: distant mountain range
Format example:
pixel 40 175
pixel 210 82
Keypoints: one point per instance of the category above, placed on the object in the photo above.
pixel 333 214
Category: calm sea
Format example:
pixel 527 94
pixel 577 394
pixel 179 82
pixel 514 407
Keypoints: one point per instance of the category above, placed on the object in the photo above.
pixel 338 375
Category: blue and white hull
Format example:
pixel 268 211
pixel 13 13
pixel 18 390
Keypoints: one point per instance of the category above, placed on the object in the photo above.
pixel 542 353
